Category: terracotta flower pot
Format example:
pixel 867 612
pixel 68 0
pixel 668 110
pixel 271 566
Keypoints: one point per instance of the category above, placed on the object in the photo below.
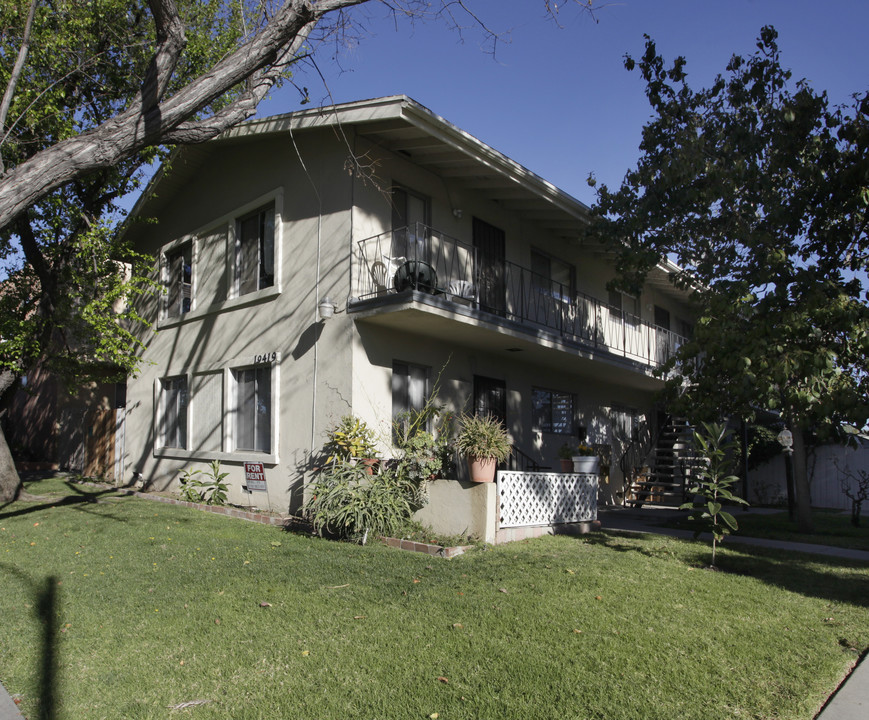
pixel 370 464
pixel 482 469
pixel 566 465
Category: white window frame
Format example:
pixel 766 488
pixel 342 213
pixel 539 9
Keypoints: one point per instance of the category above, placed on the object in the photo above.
pixel 237 416
pixel 228 453
pixel 166 252
pixel 233 250
pixel 230 390
pixel 160 400
pixel 259 245
pixel 226 226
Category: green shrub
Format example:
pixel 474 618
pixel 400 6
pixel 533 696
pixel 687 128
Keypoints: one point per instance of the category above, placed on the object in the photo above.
pixel 350 438
pixel 349 503
pixel 212 491
pixel 418 460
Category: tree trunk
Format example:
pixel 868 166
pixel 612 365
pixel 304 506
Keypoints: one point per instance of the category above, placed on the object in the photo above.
pixel 801 481
pixel 10 483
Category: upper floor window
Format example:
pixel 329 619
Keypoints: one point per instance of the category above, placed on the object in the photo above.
pixel 553 276
pixel 684 328
pixel 255 251
pixel 625 306
pixel 179 280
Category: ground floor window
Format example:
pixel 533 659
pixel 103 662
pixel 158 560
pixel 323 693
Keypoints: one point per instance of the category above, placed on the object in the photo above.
pixel 253 409
pixel 172 412
pixel 410 390
pixel 220 410
pixel 553 411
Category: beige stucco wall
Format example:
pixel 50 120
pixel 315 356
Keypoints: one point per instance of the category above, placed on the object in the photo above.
pixel 461 508
pixel 311 357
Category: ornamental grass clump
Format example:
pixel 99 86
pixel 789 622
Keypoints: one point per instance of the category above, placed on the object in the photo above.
pixel 348 502
pixel 482 437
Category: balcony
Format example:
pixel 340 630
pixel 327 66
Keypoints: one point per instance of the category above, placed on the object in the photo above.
pixel 422 264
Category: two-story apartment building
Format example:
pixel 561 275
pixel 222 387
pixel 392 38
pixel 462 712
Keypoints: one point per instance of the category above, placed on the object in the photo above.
pixel 440 257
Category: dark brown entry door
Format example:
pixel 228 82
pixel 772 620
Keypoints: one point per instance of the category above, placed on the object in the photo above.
pixel 490 397
pixel 100 444
pixel 489 242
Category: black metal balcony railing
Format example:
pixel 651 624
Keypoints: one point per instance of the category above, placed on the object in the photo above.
pixel 419 258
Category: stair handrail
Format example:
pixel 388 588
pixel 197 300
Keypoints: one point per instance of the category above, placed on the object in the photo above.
pixel 640 447
pixel 524 462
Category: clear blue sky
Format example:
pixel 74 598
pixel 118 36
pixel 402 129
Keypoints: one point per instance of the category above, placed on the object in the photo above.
pixel 558 99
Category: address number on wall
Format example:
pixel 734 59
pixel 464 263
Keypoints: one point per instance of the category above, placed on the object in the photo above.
pixel 265 358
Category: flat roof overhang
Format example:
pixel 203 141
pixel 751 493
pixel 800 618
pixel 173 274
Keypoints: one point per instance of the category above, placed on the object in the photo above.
pixel 420 314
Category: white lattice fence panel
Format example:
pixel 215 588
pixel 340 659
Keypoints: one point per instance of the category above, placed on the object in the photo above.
pixel 545 498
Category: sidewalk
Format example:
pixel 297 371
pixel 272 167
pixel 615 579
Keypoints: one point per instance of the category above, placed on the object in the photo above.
pixel 650 519
pixel 8 708
pixel 851 699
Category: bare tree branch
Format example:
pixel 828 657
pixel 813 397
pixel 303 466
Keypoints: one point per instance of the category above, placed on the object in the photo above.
pixel 153 121
pixel 171 42
pixel 16 72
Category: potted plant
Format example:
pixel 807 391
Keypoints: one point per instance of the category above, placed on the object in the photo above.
pixel 352 440
pixel 586 460
pixel 565 455
pixel 483 441
pixel 418 460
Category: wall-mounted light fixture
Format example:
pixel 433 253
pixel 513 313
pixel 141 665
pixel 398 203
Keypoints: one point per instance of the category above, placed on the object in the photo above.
pixel 326 308
pixel 786 440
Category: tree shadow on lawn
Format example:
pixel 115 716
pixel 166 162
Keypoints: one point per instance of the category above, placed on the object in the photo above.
pixel 795 572
pixel 46 603
pixel 80 497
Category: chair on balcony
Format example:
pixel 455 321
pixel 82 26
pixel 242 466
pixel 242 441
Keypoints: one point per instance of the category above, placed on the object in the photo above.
pixel 379 277
pixel 462 292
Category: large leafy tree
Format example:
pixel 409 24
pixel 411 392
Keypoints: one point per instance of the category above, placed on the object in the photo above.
pixel 68 70
pixel 95 91
pixel 758 188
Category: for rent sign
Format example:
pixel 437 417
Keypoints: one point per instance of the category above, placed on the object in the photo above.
pixel 255 476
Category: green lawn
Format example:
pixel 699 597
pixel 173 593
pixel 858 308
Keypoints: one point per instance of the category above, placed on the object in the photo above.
pixel 830 528
pixel 129 607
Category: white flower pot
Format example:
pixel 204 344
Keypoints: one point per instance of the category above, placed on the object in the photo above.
pixel 586 464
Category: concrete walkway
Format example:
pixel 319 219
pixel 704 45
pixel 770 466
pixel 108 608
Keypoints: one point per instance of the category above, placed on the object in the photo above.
pixel 650 519
pixel 8 708
pixel 851 699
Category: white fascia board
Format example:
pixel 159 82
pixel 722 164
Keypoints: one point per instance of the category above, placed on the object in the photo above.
pixel 352 113
pixel 446 132
pixel 401 107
